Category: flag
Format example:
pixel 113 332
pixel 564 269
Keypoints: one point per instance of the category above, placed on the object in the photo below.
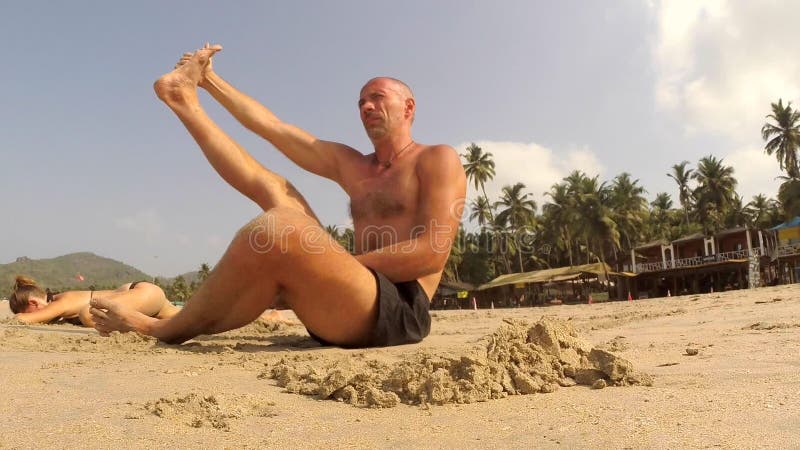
pixel 79 277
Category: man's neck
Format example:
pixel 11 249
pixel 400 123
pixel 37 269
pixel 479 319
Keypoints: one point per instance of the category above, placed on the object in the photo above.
pixel 387 147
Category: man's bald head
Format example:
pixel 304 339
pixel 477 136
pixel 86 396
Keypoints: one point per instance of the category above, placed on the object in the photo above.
pixel 396 85
pixel 393 84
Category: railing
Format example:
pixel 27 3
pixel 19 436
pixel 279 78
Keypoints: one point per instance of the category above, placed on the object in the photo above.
pixel 700 260
pixel 787 250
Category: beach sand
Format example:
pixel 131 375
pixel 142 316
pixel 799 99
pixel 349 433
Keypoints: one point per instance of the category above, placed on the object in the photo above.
pixel 711 370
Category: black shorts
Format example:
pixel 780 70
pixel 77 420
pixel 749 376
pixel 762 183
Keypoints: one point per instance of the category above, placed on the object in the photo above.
pixel 403 315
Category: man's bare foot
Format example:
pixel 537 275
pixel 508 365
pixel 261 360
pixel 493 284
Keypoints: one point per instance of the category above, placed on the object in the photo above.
pixel 109 316
pixel 208 69
pixel 181 83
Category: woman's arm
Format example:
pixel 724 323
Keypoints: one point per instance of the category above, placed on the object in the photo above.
pixel 52 311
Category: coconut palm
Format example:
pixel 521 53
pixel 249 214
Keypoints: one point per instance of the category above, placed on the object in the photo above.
pixel 789 197
pixel 783 137
pixel 758 210
pixel 518 212
pixel 456 256
pixel 559 212
pixel 737 214
pixel 595 223
pixel 682 175
pixel 659 215
pixel 479 167
pixel 204 272
pixel 628 206
pixel 481 210
pixel 715 191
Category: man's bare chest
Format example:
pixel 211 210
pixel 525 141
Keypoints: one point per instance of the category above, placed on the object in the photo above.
pixel 384 197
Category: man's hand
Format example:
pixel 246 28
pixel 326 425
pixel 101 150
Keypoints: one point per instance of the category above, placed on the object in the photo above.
pixel 208 68
pixel 111 316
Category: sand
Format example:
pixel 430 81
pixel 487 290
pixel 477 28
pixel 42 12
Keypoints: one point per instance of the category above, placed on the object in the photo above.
pixel 707 370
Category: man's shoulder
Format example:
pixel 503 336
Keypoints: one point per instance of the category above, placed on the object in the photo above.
pixel 438 154
pixel 438 157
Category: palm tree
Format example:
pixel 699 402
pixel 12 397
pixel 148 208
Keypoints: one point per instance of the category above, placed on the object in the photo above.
pixel 789 197
pixel 344 238
pixel 456 256
pixel 783 137
pixel 737 214
pixel 595 222
pixel 518 212
pixel 203 273
pixel 715 191
pixel 559 211
pixel 659 215
pixel 481 210
pixel 479 167
pixel 682 175
pixel 663 202
pixel 629 207
pixel 758 210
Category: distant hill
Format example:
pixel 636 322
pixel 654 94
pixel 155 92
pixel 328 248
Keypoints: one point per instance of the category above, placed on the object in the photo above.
pixel 61 273
pixel 189 277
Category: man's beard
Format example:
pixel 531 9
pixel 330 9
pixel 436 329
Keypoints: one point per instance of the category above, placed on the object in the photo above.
pixel 377 131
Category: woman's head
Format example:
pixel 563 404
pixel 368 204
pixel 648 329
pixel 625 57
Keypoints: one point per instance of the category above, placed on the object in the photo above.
pixel 27 296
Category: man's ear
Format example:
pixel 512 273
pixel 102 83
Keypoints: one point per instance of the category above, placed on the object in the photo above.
pixel 411 106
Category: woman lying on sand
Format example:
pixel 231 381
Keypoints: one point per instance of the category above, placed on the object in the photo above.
pixel 32 304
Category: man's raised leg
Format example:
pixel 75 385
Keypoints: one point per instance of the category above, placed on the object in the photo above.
pixel 284 250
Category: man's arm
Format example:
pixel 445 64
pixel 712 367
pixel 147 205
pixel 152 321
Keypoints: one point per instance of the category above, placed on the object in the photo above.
pixel 442 190
pixel 320 157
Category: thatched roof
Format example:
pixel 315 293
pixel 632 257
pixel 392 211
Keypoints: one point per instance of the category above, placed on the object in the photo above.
pixel 549 275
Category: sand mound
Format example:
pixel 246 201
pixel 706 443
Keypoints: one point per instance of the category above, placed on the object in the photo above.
pixel 516 359
pixel 214 411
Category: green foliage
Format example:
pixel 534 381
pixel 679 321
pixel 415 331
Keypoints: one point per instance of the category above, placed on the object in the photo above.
pixel 783 137
pixel 179 290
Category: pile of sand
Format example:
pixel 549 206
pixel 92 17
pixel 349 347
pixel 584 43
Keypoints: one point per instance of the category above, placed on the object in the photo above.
pixel 516 359
pixel 209 410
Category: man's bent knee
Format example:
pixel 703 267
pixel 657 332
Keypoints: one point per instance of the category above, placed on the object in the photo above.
pixel 277 230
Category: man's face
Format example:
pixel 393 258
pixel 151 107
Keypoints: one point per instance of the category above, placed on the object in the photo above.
pixel 381 106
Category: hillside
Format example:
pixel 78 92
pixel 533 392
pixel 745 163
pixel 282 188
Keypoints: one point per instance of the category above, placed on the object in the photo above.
pixel 61 273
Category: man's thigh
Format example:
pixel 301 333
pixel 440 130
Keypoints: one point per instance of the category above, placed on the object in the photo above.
pixel 332 293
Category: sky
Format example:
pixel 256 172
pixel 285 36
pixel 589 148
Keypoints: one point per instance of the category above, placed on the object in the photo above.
pixel 92 161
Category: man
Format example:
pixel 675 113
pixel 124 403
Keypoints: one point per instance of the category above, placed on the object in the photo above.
pixel 406 201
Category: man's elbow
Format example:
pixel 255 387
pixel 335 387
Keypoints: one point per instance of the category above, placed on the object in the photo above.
pixel 436 261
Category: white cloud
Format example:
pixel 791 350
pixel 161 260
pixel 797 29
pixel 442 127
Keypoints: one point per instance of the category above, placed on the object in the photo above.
pixel 719 64
pixel 755 171
pixel 145 222
pixel 536 166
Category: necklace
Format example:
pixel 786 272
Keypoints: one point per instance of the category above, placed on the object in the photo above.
pixel 387 164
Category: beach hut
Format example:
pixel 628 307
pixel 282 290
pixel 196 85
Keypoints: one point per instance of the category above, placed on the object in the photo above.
pixel 536 287
pixel 452 295
pixel 786 255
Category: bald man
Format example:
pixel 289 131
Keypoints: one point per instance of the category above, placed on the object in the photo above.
pixel 406 200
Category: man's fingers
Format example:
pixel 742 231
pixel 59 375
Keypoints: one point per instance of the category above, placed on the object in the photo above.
pixel 98 313
pixel 100 303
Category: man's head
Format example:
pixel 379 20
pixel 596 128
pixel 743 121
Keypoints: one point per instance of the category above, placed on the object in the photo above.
pixel 386 105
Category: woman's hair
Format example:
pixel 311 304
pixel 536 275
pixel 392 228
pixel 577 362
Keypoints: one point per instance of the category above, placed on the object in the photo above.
pixel 24 287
